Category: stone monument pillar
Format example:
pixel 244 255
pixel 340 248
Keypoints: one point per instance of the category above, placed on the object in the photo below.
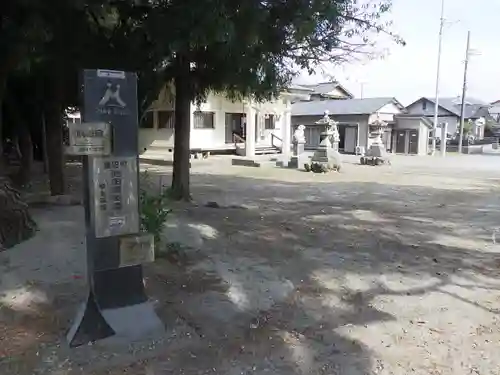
pixel 327 156
pixel 116 302
pixel 299 141
pixel 444 131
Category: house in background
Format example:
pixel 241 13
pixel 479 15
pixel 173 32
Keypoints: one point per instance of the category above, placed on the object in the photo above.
pixel 222 125
pixel 449 112
pixel 328 91
pixel 353 116
pixel 411 134
pixel 405 134
pixel 494 111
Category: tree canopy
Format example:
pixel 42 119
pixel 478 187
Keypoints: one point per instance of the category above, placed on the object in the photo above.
pixel 253 48
pixel 242 48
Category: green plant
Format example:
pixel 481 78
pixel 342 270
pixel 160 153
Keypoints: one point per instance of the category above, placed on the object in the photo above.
pixel 468 127
pixel 154 209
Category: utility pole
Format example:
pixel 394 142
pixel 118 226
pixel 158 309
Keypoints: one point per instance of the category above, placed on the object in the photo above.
pixel 436 99
pixel 464 93
pixel 362 84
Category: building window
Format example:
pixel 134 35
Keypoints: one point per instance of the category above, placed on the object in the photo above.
pixel 147 120
pixel 204 120
pixel 424 105
pixel 269 122
pixel 166 119
pixel 73 120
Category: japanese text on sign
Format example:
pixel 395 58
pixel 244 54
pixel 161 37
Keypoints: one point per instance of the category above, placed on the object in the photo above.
pixel 89 139
pixel 115 196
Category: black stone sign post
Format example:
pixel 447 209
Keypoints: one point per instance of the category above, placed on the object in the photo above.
pixel 117 303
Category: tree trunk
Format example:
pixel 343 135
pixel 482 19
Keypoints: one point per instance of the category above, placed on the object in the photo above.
pixel 26 148
pixel 16 224
pixel 23 141
pixel 2 92
pixel 55 154
pixel 54 134
pixel 44 146
pixel 180 179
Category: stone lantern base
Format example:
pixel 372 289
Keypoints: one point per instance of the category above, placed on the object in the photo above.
pixel 325 158
pixel 377 150
pixel 376 155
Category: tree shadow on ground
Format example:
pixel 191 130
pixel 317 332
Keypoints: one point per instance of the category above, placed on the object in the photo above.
pixel 281 273
pixel 437 240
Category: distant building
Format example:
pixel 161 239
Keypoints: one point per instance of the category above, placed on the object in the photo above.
pixel 495 111
pixel 449 110
pixel 220 124
pixel 353 116
pixel 328 91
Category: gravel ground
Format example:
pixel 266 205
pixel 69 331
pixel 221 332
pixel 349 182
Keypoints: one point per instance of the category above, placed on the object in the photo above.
pixel 377 270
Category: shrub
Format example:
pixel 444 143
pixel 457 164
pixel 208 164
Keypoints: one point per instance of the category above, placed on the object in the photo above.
pixel 153 209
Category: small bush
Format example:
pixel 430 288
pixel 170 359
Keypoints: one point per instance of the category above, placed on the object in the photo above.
pixel 154 209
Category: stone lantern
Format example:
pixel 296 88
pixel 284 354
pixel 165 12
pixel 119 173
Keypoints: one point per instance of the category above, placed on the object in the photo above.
pixel 376 153
pixel 331 131
pixel 327 156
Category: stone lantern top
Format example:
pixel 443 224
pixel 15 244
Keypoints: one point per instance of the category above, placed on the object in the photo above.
pixel 331 125
pixel 378 123
pixel 325 120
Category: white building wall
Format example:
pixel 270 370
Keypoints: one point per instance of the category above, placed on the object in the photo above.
pixel 208 138
pixel 407 123
pixel 386 113
pixel 423 139
pixel 336 92
pixel 214 138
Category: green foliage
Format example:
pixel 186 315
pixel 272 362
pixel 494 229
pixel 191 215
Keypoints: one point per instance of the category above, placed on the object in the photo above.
pixel 248 49
pixel 255 48
pixel 489 127
pixel 153 208
pixel 468 126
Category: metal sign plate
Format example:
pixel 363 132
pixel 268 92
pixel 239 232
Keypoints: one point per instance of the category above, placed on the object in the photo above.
pixel 135 250
pixel 91 138
pixel 111 96
pixel 114 195
pixel 105 73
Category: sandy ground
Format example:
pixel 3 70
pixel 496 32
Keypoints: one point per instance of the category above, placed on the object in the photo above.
pixel 377 270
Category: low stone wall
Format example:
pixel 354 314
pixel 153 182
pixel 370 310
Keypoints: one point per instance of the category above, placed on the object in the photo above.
pixel 472 149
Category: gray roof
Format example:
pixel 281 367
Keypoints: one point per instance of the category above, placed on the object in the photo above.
pixel 326 87
pixel 340 107
pixel 295 87
pixel 473 106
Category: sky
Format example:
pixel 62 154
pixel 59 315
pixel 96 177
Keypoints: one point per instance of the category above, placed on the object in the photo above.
pixel 409 72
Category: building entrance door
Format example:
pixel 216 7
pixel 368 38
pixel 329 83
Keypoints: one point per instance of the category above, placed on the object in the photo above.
pixel 401 142
pixel 413 142
pixel 234 124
